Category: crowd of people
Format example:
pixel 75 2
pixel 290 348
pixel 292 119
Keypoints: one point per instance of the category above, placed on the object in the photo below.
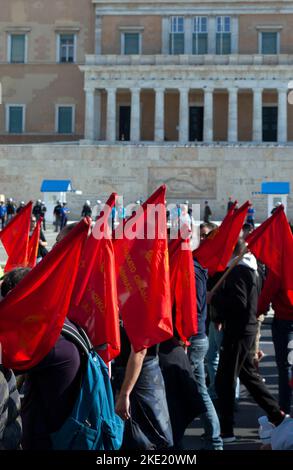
pixel 160 390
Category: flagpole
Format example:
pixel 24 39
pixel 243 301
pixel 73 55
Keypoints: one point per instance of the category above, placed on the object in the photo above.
pixel 222 279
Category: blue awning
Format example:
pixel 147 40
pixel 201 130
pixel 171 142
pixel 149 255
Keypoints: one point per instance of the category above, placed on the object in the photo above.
pixel 275 188
pixel 56 186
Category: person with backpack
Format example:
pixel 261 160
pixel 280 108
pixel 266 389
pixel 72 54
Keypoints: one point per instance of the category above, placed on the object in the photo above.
pixel 68 401
pixel 50 388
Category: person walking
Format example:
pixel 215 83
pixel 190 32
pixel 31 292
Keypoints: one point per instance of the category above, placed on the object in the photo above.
pixel 236 302
pixel 207 213
pixel 3 213
pixel 197 351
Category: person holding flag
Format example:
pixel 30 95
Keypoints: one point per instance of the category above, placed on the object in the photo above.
pixel 184 401
pixel 143 284
pixel 236 301
pixel 31 320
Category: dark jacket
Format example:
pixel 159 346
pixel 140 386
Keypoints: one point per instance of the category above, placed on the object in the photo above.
pixel 10 422
pixel 51 389
pixel 201 277
pixel 236 301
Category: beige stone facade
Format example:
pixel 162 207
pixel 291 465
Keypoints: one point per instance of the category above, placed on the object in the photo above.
pixel 194 173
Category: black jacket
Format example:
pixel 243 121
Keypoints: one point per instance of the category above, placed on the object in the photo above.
pixel 236 301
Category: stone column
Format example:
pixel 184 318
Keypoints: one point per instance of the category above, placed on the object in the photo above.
pixel 135 115
pixel 208 127
pixel 184 115
pixel 233 115
pixel 165 34
pixel 89 128
pixel 111 115
pixel 257 115
pixel 282 115
pixel 159 115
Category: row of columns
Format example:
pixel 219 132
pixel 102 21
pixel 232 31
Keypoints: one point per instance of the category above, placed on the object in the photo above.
pixel 91 120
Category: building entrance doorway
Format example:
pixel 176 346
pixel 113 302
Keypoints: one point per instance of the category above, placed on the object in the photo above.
pixel 124 122
pixel 269 123
pixel 196 123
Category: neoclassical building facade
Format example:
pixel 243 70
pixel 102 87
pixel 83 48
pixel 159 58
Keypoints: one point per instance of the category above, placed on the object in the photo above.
pixel 190 71
pixel 195 94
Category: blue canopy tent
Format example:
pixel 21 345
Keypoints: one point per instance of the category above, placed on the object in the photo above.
pixel 54 191
pixel 277 192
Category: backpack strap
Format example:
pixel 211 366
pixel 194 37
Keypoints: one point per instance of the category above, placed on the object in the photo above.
pixel 79 338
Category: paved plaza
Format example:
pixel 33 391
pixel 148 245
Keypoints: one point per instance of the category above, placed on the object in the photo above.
pixel 246 428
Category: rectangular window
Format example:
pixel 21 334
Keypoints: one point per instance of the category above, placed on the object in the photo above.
pixel 65 120
pixel 269 43
pixel 200 35
pixel 223 35
pixel 67 51
pixel 17 48
pixel 15 119
pixel 131 43
pixel 177 35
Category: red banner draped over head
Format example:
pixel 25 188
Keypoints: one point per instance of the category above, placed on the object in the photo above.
pixel 15 238
pixel 94 303
pixel 32 315
pixel 143 278
pixel 272 244
pixel 33 245
pixel 183 288
pixel 214 253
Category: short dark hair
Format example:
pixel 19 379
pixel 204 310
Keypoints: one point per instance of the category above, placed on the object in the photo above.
pixel 12 278
pixel 247 226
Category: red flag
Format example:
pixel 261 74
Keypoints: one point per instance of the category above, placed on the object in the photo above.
pixel 94 303
pixel 33 245
pixel 214 253
pixel 272 244
pixel 142 270
pixel 32 315
pixel 183 289
pixel 15 238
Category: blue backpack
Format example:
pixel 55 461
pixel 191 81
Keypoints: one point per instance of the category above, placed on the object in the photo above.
pixel 93 424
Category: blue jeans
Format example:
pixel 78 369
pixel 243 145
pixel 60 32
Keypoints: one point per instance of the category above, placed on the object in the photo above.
pixel 282 333
pixel 210 421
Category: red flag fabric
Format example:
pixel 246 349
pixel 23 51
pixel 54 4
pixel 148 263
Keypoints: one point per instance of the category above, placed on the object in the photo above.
pixel 183 289
pixel 33 245
pixel 32 315
pixel 15 238
pixel 142 270
pixel 215 253
pixel 94 303
pixel 272 244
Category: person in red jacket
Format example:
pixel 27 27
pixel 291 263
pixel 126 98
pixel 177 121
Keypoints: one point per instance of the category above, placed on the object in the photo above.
pixel 282 332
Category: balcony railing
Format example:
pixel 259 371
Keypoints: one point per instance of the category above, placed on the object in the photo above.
pixel 193 60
